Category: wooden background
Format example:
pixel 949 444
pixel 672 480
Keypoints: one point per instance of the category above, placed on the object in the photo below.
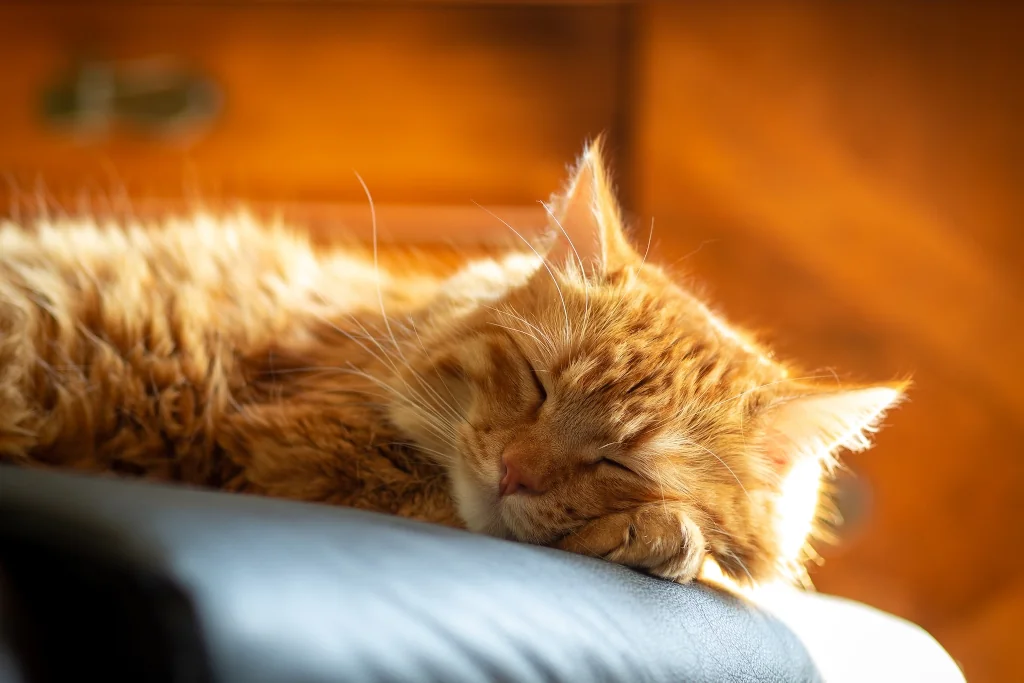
pixel 847 177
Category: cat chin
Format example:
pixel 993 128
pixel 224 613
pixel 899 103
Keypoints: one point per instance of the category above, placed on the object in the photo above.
pixel 478 509
pixel 483 512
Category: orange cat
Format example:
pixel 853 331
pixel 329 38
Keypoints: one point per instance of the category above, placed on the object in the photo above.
pixel 582 400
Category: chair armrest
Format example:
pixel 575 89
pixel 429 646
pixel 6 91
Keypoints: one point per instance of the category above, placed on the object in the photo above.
pixel 138 581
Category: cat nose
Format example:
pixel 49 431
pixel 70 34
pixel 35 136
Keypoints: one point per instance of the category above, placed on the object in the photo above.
pixel 515 476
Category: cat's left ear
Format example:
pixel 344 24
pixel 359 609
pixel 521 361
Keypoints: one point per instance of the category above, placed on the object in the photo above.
pixel 817 423
pixel 586 218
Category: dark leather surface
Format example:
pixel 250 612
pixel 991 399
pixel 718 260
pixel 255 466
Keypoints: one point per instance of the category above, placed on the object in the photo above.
pixel 134 581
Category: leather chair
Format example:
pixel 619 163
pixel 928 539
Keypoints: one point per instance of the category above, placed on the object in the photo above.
pixel 124 580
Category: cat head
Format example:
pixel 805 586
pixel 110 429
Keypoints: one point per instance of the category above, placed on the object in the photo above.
pixel 587 383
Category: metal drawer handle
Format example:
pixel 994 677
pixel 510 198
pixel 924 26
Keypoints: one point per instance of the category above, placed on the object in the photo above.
pixel 158 97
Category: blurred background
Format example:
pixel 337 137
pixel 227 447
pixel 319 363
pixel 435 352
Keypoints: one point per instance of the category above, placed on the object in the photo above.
pixel 846 177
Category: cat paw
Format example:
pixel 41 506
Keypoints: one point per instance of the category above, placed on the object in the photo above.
pixel 659 539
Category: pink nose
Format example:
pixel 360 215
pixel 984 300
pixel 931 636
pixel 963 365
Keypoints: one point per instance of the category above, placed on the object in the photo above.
pixel 514 476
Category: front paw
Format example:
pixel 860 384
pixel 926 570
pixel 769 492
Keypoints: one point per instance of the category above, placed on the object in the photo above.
pixel 658 538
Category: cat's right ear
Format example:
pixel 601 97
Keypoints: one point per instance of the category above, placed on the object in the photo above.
pixel 586 219
pixel 816 423
pixel 800 438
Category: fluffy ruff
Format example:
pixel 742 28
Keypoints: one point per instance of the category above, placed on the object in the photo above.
pixel 201 353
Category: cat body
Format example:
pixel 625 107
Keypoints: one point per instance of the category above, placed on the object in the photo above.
pixel 184 353
pixel 573 396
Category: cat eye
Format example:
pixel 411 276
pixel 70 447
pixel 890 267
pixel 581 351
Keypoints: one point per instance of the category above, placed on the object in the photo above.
pixel 540 385
pixel 616 464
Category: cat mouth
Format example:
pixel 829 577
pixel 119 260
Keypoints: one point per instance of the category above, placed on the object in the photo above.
pixel 494 503
pixel 518 518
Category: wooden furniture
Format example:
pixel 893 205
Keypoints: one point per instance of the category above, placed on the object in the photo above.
pixel 846 177
pixel 433 106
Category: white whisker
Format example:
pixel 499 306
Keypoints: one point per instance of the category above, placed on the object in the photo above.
pixel 444 404
pixel 516 329
pixel 512 314
pixel 414 398
pixel 544 262
pixel 376 264
pixel 583 269
pixel 441 427
pixel 455 401
pixel 724 464
pixel 650 238
pixel 419 447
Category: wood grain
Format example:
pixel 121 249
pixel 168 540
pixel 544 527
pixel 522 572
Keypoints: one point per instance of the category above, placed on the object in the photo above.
pixel 851 175
pixel 429 103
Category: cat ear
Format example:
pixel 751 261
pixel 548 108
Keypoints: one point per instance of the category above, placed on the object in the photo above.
pixel 586 219
pixel 816 424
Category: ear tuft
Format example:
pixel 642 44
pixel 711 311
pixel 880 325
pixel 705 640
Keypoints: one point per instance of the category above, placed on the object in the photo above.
pixel 586 219
pixel 817 425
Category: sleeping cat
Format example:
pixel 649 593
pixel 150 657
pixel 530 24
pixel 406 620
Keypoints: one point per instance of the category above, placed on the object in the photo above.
pixel 579 399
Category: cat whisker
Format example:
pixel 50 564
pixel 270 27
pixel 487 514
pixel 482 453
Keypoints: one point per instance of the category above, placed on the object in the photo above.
pixel 650 238
pixel 429 413
pixel 419 447
pixel 437 397
pixel 515 329
pixel 513 314
pixel 427 420
pixel 376 264
pixel 434 397
pixel 452 413
pixel 369 337
pixel 451 410
pixel 437 372
pixel 724 464
pixel 385 402
pixel 544 333
pixel 695 251
pixel 583 269
pixel 544 262
pixel 441 426
pixel 734 558
pixel 388 361
pixel 385 360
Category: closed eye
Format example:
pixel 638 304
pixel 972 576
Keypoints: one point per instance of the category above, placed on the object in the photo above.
pixel 616 464
pixel 540 385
